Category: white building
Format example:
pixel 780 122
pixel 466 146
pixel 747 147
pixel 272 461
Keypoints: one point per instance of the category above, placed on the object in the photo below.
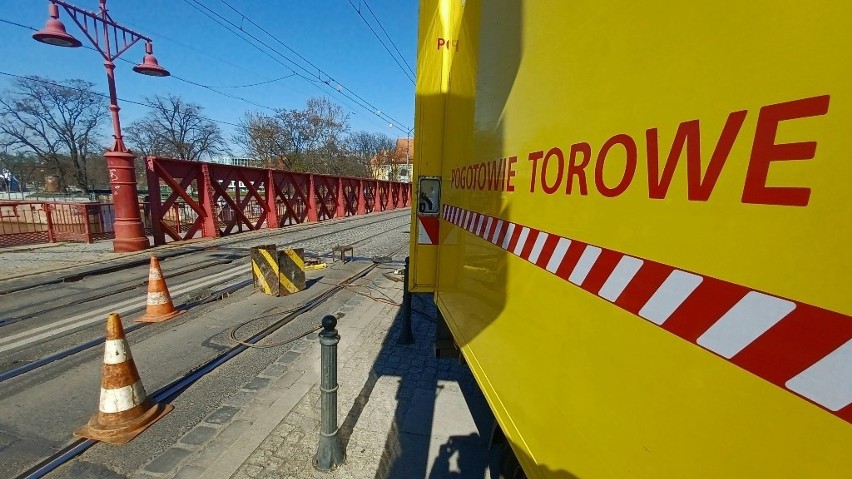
pixel 397 164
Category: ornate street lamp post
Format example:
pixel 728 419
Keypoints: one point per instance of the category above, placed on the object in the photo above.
pixel 111 40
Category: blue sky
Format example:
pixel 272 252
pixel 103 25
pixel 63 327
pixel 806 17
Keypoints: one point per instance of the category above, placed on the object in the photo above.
pixel 330 34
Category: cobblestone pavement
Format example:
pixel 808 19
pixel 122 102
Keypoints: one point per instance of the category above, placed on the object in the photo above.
pixel 402 413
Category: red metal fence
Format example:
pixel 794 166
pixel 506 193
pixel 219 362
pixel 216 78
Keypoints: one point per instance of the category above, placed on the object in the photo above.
pixel 31 222
pixel 217 200
pixel 205 200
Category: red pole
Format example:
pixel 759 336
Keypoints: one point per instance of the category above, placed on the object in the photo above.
pixel 237 195
pixel 87 229
pixel 51 235
pixel 361 201
pixel 271 205
pixel 312 200
pixel 128 226
pixel 177 218
pixel 155 205
pixel 210 225
pixel 129 230
pixel 341 201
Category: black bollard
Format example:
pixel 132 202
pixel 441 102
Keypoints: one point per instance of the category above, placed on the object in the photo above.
pixel 405 334
pixel 329 452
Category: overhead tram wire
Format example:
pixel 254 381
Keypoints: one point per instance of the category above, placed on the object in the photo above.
pixel 214 89
pixel 389 38
pixel 369 107
pixel 315 80
pixel 375 34
pixel 104 95
pixel 200 51
pixel 366 105
pixel 383 117
pixel 258 83
pixel 226 62
pixel 230 26
pixel 3 20
pixel 176 77
pixel 222 93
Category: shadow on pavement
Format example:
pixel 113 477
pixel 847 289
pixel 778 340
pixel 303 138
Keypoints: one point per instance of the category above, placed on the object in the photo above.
pixel 442 423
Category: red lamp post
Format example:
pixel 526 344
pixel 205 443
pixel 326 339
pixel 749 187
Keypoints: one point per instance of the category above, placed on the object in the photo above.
pixel 111 40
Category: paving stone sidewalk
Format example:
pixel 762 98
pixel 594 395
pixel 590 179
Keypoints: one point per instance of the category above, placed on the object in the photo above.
pixel 402 413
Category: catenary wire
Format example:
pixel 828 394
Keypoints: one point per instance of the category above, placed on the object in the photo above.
pixel 233 28
pixel 214 90
pixel 343 89
pixel 376 34
pixel 124 100
pixel 316 80
pixel 389 38
pixel 176 77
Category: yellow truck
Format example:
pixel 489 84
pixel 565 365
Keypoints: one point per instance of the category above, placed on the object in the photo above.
pixel 636 218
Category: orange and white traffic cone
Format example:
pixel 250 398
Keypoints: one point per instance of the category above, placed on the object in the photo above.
pixel 124 410
pixel 160 307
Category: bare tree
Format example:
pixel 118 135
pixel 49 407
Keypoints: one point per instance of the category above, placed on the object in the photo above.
pixel 367 150
pixel 296 136
pixel 310 140
pixel 316 140
pixel 177 129
pixel 262 137
pixel 56 121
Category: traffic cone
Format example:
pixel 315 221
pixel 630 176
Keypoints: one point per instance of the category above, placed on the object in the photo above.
pixel 124 410
pixel 160 307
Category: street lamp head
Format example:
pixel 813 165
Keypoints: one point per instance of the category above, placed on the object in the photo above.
pixel 54 32
pixel 149 65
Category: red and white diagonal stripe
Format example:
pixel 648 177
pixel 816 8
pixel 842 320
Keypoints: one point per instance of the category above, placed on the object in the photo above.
pixel 799 347
pixel 427 230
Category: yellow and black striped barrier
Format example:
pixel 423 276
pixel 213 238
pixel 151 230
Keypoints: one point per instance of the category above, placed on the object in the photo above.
pixel 278 273
pixel 291 270
pixel 264 269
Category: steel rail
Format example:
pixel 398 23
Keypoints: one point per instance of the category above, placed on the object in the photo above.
pixel 216 295
pixel 227 243
pixel 86 319
pixel 136 284
pixel 172 390
pixel 13 373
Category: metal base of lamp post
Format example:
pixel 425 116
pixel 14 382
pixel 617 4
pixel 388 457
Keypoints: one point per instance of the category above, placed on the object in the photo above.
pixel 129 230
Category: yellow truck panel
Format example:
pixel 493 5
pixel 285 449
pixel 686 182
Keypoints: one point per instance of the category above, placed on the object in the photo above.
pixel 438 42
pixel 645 212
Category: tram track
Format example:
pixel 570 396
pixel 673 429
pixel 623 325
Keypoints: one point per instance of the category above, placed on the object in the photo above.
pixel 128 306
pixel 174 388
pixel 13 373
pixel 129 285
pixel 53 329
pixel 133 284
pixel 123 308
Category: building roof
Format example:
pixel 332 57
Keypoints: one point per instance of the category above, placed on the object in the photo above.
pixel 397 156
pixel 403 144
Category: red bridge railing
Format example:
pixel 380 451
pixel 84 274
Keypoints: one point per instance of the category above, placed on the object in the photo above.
pixel 33 222
pixel 213 200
